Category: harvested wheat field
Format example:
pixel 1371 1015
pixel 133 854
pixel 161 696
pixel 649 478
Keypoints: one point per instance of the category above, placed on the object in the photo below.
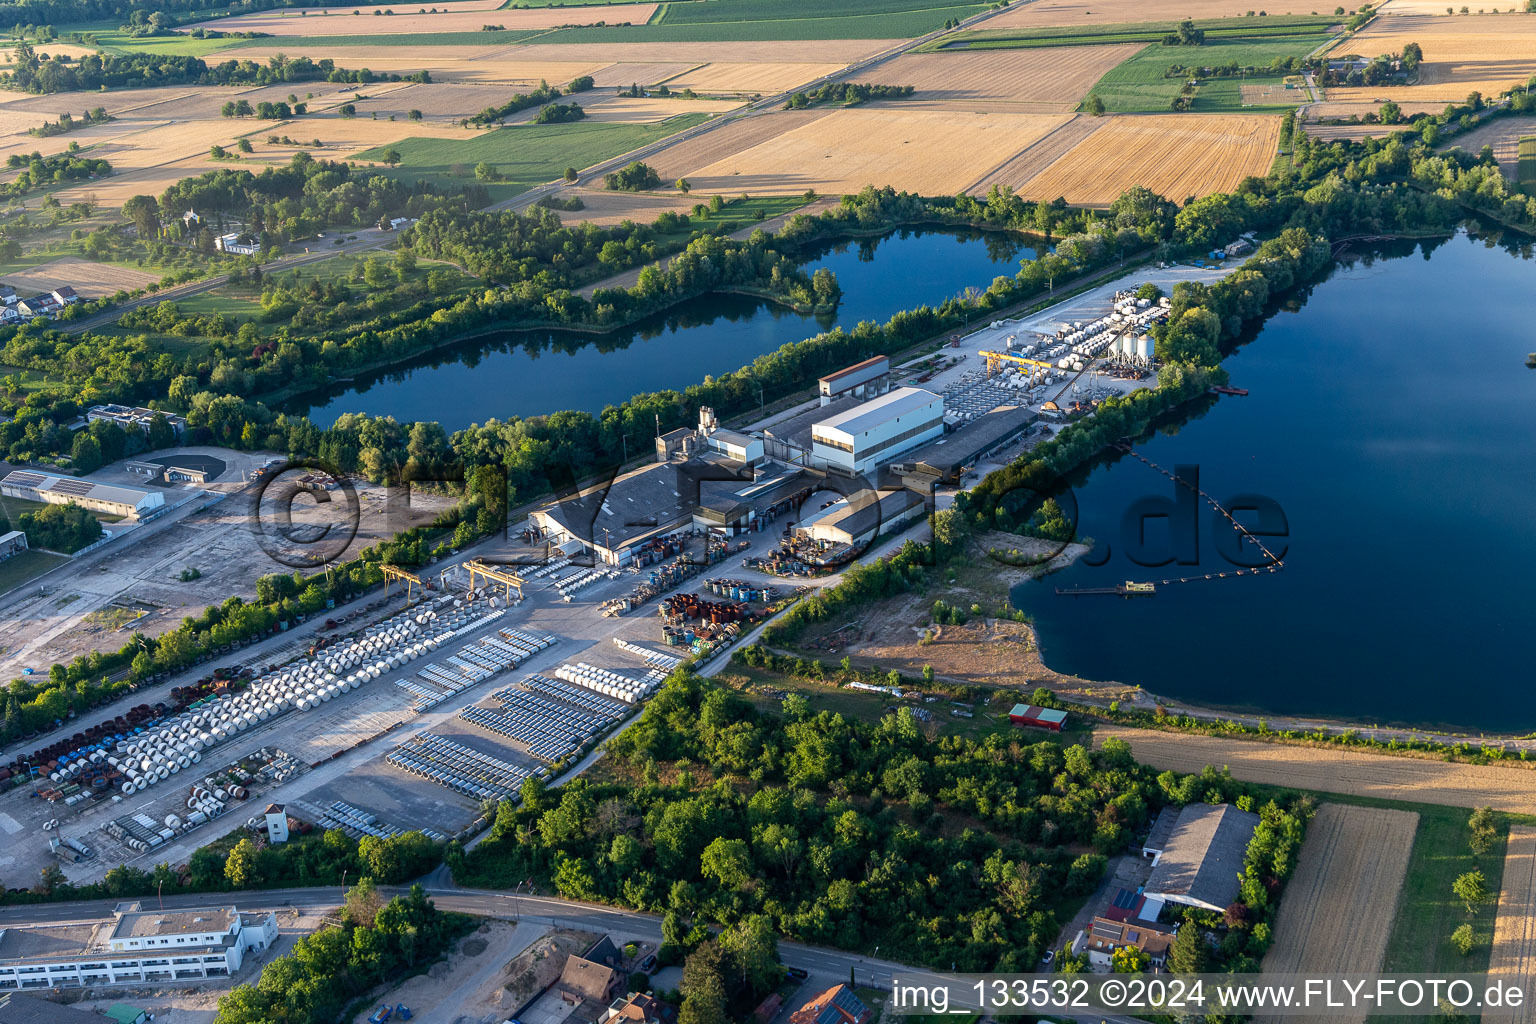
pixel 640 73
pixel 719 143
pixel 931 152
pixel 604 208
pixel 1026 165
pixel 1437 7
pixel 92 280
pixel 1046 80
pixel 798 51
pixel 1044 13
pixel 1328 770
pixel 608 105
pixel 1339 906
pixel 1503 134
pixel 1488 54
pixel 1175 155
pixel 1514 933
pixel 755 77
pixel 406 19
pixel 73 51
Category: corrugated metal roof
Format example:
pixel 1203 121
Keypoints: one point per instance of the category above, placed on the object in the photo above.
pixel 862 418
pixel 847 371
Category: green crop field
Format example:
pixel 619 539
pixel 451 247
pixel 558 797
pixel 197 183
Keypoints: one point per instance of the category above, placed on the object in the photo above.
pixel 166 46
pixel 1525 172
pixel 388 39
pixel 1131 32
pixel 525 155
pixel 1141 85
pixel 747 20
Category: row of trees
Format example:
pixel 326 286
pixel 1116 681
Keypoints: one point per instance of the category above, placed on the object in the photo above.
pixel 67 122
pixel 30 73
pixel 333 966
pixel 848 94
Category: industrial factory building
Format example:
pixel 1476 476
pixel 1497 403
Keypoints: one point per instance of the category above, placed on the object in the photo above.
pixel 858 520
pixel 618 526
pixel 129 502
pixel 134 945
pixel 945 458
pixel 865 380
pixel 868 435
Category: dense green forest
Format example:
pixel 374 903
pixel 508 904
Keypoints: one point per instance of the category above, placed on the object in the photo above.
pixel 946 851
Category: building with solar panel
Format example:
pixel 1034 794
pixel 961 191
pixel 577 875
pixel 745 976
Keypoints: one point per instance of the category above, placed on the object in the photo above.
pixel 128 502
pixel 836 1005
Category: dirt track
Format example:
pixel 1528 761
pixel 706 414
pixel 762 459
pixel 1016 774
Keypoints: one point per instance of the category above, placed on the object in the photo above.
pixel 1338 909
pixel 1409 779
pixel 1514 936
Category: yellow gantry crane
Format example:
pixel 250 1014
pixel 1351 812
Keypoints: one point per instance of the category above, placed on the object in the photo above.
pixel 410 579
pixel 996 359
pixel 500 574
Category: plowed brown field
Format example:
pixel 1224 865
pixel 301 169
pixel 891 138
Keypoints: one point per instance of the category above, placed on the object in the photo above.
pixel 406 19
pixel 91 279
pixel 1326 770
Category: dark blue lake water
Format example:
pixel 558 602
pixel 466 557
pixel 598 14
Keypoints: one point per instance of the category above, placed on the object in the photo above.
pixel 1393 420
pixel 525 373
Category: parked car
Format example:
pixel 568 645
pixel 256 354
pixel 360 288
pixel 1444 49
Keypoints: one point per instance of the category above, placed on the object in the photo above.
pixel 1049 956
pixel 648 964
pixel 797 973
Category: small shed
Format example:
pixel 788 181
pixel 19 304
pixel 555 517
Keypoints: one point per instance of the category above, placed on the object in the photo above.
pixel 122 1013
pixel 1041 718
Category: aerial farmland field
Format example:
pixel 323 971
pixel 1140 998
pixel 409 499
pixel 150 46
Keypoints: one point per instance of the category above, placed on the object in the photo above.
pixel 1351 869
pixel 1047 80
pixel 932 152
pixel 524 154
pixel 1107 12
pixel 1487 53
pixel 1143 84
pixel 1172 154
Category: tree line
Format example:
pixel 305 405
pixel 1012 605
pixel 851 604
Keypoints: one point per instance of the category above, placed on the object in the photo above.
pixel 30 73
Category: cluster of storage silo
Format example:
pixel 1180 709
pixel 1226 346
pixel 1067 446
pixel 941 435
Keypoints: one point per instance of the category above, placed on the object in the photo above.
pixel 607 682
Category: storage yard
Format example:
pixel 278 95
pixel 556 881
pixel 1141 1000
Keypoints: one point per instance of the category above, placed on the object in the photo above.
pixel 1350 872
pixel 409 719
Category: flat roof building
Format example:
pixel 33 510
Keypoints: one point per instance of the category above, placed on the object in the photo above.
pixel 134 945
pixel 860 439
pixel 112 499
pixel 134 416
pixel 16 1008
pixel 868 379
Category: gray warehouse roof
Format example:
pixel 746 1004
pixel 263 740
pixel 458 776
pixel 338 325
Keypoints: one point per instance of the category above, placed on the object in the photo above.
pixel 901 402
pixel 20 1008
pixel 1204 856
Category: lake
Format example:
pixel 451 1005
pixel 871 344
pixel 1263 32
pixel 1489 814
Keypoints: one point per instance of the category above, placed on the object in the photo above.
pixel 526 373
pixel 1392 419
